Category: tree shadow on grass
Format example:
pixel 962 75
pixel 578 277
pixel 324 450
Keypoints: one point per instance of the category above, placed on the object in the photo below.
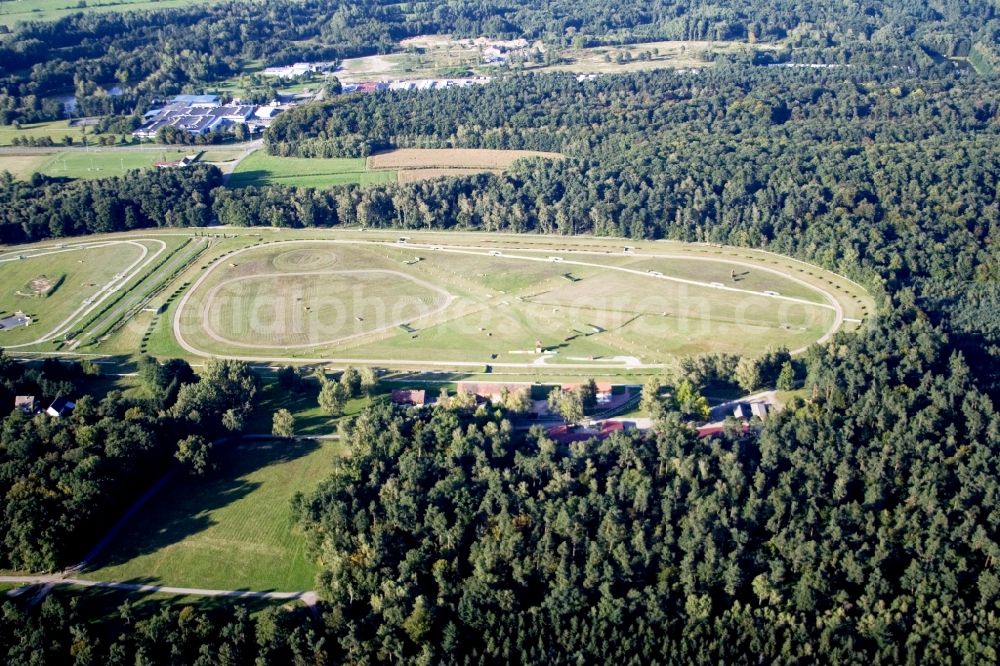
pixel 102 604
pixel 184 508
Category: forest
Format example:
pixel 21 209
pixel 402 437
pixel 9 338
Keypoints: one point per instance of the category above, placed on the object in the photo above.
pixel 66 480
pixel 848 532
pixel 143 56
pixel 47 207
pixel 860 525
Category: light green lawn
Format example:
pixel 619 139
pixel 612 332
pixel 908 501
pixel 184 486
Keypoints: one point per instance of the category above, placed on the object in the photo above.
pixel 104 163
pixel 84 273
pixel 231 530
pixel 55 130
pixel 260 169
pixel 49 10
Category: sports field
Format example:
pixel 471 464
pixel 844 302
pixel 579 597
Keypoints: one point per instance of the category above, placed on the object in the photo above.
pixel 471 302
pixel 87 274
pixel 233 530
pixel 260 169
pixel 107 162
pixel 101 162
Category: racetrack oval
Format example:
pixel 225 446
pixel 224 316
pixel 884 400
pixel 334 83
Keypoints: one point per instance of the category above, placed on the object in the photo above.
pixel 290 310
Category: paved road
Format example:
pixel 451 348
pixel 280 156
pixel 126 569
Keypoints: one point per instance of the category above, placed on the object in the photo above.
pixel 833 303
pixel 59 579
pixel 230 167
pixel 141 148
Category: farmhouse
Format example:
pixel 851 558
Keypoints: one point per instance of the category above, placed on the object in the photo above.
pixel 14 321
pixel 26 404
pixel 60 407
pixel 412 397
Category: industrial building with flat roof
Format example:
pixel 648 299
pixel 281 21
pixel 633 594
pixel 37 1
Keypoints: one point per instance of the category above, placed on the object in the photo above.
pixel 195 114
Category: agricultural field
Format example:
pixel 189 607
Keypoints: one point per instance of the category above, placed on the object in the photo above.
pixel 451 158
pixel 259 169
pixel 232 530
pixel 405 165
pixel 22 166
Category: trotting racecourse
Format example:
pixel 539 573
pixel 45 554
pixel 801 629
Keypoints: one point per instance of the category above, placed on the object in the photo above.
pixel 401 299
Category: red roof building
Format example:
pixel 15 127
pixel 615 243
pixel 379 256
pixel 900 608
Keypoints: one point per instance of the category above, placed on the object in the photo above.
pixel 413 397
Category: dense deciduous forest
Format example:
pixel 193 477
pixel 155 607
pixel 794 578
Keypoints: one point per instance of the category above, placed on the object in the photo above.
pixel 65 631
pixel 848 531
pixel 50 207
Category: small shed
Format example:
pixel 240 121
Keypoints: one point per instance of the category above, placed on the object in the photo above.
pixel 60 407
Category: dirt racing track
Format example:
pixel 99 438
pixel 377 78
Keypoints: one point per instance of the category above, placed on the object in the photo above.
pixel 206 338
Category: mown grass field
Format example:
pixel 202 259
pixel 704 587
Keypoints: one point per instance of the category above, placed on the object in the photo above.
pixel 106 162
pixel 83 271
pixel 13 11
pixel 260 169
pixel 593 317
pixel 231 530
pixel 584 308
pixel 55 130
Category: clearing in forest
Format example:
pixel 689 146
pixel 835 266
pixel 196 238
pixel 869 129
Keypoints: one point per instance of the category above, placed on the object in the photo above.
pixel 233 529
pixel 452 158
pixel 401 301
